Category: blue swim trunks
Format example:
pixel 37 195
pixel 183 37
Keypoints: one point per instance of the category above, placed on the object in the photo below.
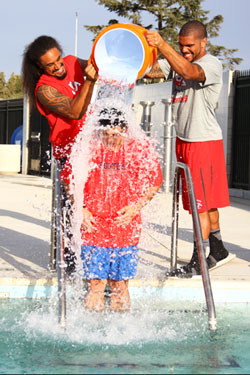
pixel 119 263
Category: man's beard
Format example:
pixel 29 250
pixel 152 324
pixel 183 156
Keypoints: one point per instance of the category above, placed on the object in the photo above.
pixel 63 76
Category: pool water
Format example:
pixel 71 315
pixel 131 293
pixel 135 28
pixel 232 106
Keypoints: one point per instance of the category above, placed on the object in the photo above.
pixel 152 338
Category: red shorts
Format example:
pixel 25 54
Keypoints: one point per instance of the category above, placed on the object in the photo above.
pixel 206 161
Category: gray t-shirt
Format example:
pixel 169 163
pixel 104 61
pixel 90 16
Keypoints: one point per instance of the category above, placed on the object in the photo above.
pixel 194 103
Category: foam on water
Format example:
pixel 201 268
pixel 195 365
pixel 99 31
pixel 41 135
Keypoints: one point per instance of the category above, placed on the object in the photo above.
pixel 148 321
pixel 153 338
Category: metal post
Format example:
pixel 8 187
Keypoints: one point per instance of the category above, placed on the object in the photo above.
pixel 7 123
pixel 168 145
pixel 53 229
pixel 146 117
pixel 199 242
pixel 60 255
pixel 76 33
pixel 26 131
pixel 175 220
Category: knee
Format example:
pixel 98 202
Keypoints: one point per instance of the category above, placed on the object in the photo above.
pixel 97 286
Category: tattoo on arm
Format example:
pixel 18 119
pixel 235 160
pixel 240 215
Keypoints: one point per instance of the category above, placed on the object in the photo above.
pixel 201 73
pixel 54 101
pixel 155 72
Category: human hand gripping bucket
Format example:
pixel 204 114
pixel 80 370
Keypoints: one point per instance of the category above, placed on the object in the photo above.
pixel 121 52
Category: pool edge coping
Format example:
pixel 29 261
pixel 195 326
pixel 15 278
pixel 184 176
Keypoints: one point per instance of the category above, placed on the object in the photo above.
pixel 225 291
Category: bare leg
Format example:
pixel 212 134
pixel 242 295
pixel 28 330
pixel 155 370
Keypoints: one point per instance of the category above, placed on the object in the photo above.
pixel 214 219
pixel 120 299
pixel 205 224
pixel 209 220
pixel 94 299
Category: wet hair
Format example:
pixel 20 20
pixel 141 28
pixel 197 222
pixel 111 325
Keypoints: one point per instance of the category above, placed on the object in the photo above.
pixel 194 27
pixel 112 117
pixel 31 71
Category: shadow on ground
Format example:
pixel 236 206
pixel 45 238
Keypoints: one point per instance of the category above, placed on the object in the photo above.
pixel 24 247
pixel 186 234
pixel 26 218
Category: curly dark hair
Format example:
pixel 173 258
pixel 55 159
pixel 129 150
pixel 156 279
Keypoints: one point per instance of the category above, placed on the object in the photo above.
pixel 31 71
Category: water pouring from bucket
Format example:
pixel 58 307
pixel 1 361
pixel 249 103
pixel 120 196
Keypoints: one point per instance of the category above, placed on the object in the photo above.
pixel 121 53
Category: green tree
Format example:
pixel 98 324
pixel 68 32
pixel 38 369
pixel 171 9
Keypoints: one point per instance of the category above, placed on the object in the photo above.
pixel 167 18
pixel 12 88
pixel 3 90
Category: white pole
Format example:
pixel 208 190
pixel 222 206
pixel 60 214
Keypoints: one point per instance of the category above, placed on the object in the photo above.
pixel 26 129
pixel 168 145
pixel 76 29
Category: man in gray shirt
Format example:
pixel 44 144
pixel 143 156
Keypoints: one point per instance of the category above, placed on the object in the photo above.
pixel 196 87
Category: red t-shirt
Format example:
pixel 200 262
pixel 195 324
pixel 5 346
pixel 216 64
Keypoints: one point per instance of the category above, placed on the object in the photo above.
pixel 117 179
pixel 63 130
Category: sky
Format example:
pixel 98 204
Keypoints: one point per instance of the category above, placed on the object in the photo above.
pixel 24 20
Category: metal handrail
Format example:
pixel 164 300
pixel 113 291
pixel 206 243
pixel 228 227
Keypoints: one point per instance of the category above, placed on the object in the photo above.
pixel 198 238
pixel 60 220
pixel 53 232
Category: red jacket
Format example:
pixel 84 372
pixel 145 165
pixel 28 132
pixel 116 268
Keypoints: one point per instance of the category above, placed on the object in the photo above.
pixel 63 130
pixel 117 179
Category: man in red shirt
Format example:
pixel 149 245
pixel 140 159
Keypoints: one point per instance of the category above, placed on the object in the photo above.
pixel 58 87
pixel 124 174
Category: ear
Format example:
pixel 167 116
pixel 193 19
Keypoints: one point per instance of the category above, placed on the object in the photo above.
pixel 204 43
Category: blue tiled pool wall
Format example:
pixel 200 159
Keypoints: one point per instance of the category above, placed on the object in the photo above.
pixel 190 294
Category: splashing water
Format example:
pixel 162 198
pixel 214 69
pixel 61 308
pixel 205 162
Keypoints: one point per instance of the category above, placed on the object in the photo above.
pixel 110 94
pixel 150 340
pixel 148 321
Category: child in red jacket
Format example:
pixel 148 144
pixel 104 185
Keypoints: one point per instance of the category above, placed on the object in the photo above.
pixel 124 175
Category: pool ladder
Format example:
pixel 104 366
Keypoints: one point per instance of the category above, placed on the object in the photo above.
pixel 198 237
pixel 60 222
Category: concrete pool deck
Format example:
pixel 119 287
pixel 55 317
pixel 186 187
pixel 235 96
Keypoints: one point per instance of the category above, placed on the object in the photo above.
pixel 25 213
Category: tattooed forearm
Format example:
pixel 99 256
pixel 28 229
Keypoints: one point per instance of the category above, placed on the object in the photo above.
pixel 155 72
pixel 201 74
pixel 54 101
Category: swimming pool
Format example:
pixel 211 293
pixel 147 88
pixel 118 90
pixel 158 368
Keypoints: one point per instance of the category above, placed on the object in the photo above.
pixel 154 338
